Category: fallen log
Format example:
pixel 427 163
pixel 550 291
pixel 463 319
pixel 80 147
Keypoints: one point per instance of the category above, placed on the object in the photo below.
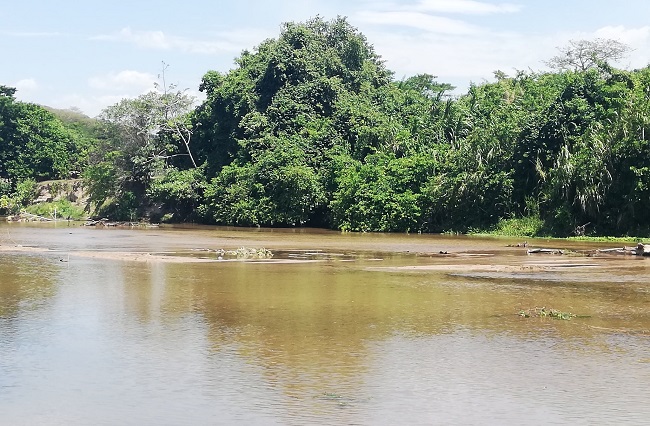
pixel 640 250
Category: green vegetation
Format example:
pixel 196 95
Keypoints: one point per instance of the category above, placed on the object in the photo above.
pixel 13 202
pixel 529 226
pixel 34 144
pixel 547 313
pixel 62 209
pixel 312 129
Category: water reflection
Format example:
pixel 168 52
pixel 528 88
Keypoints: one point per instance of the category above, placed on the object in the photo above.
pixel 103 341
pixel 26 284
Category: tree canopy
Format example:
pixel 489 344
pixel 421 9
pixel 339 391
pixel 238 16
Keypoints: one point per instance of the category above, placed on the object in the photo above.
pixel 312 129
pixel 35 144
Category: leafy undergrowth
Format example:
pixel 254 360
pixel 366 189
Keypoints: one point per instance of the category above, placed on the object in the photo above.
pixel 529 226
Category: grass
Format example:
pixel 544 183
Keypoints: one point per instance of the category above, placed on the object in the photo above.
pixel 606 239
pixel 533 227
pixel 64 210
pixel 529 226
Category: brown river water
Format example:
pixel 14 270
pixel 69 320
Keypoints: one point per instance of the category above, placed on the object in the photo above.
pixel 161 327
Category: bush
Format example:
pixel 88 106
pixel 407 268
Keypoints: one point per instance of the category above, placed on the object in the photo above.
pixel 529 226
pixel 24 194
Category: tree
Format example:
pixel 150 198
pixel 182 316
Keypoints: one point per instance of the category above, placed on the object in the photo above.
pixel 289 87
pixel 581 55
pixel 310 128
pixel 33 142
pixel 175 106
pixel 7 91
pixel 268 126
pixel 144 138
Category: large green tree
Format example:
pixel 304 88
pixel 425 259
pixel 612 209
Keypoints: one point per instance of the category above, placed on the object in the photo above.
pixel 34 144
pixel 312 103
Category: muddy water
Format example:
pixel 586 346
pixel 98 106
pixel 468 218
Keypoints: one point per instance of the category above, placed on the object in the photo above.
pixel 119 326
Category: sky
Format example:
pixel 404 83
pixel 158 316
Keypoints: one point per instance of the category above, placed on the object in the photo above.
pixel 91 54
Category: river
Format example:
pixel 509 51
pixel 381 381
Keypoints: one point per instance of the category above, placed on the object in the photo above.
pixel 170 326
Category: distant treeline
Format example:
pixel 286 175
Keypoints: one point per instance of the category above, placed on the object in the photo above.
pixel 312 129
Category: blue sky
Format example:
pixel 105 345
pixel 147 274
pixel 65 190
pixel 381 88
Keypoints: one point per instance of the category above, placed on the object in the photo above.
pixel 91 54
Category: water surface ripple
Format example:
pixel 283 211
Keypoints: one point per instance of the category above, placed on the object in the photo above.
pixel 335 329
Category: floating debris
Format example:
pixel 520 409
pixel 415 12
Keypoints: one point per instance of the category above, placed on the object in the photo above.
pixel 113 224
pixel 245 253
pixel 524 244
pixel 543 312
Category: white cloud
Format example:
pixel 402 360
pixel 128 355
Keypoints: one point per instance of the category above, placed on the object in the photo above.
pixel 123 80
pixel 637 38
pixel 422 21
pixel 459 52
pixel 475 57
pixel 26 85
pixel 461 59
pixel 466 7
pixel 222 43
pixel 452 49
pixel 625 35
pixel 109 89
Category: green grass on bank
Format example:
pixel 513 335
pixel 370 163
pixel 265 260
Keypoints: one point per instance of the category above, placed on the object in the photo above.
pixel 533 227
pixel 62 209
pixel 612 239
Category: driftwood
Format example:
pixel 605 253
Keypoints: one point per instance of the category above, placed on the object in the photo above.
pixel 618 250
pixel 640 250
pixel 545 251
pixel 106 222
pixel 109 223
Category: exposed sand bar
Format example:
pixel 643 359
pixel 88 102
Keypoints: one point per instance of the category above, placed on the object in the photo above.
pixel 389 252
pixel 469 267
pixel 139 256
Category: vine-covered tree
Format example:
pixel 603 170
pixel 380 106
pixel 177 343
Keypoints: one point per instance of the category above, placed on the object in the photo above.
pixel 312 90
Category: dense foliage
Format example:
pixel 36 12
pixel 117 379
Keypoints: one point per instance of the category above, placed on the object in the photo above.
pixel 312 129
pixel 34 145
